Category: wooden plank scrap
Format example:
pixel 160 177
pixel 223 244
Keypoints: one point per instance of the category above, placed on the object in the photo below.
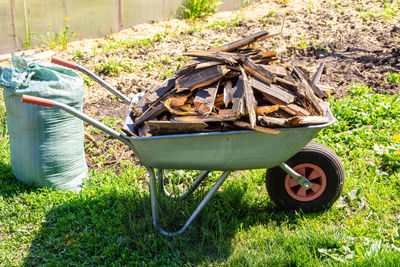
pixel 295 110
pixel 246 125
pixel 249 99
pixel 276 91
pixel 152 113
pixel 256 70
pixel 240 43
pixel 201 77
pixel 277 70
pixel 238 105
pixel 228 92
pixel 263 110
pixel 317 75
pixel 228 58
pixel 308 83
pixel 206 118
pixel 306 120
pixel 272 121
pixel 205 98
pixel 174 127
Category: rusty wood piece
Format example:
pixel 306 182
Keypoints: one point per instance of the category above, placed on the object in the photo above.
pixel 276 91
pixel 205 98
pixel 256 70
pixel 228 93
pixel 152 113
pixel 240 43
pixel 249 99
pixel 246 125
pixel 308 99
pixel 206 118
pixel 238 105
pixel 228 58
pixel 128 132
pixel 308 83
pixel 201 77
pixel 184 110
pixel 317 75
pixel 263 55
pixel 306 120
pixel 219 101
pixel 272 121
pixel 174 127
pixel 263 110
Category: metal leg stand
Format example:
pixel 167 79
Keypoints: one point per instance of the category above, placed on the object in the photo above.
pixel 154 204
pixel 193 187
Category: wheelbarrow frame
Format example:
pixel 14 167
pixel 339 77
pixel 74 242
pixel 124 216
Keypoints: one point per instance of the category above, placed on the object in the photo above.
pixel 221 151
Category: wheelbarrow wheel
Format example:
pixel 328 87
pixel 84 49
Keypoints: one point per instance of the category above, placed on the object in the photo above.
pixel 321 166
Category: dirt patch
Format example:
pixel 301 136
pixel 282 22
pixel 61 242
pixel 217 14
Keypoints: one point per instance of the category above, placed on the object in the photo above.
pixel 358 41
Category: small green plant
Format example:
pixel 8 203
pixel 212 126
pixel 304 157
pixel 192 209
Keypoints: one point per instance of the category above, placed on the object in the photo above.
pixel 61 38
pixel 193 9
pixel 394 78
pixel 246 3
pixel 110 68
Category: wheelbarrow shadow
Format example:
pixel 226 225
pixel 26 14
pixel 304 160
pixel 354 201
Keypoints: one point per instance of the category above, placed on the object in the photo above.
pixel 114 226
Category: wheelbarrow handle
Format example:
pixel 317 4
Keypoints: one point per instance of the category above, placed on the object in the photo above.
pixel 63 62
pixel 72 65
pixel 37 101
pixel 51 103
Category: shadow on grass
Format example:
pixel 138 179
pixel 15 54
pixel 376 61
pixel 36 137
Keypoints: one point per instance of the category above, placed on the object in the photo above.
pixel 115 228
pixel 9 185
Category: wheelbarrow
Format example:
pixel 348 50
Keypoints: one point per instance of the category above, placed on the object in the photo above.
pixel 300 174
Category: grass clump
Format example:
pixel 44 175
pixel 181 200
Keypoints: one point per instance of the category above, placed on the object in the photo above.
pixel 193 9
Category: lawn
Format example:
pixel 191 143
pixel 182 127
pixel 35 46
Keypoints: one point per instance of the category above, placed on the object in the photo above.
pixel 109 221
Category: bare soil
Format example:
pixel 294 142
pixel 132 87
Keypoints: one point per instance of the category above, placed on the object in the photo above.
pixel 356 42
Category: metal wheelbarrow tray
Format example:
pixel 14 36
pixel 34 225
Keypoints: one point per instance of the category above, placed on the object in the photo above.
pixel 300 175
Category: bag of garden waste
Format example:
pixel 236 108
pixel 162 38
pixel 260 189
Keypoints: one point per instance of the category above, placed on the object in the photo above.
pixel 46 144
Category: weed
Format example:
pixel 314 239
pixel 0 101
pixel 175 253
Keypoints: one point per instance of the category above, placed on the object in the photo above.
pixel 111 68
pixel 394 78
pixel 61 38
pixel 193 9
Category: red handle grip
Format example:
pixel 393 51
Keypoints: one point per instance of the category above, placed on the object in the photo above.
pixel 37 101
pixel 63 62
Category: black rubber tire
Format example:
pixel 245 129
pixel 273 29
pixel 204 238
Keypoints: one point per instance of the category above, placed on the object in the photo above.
pixel 316 154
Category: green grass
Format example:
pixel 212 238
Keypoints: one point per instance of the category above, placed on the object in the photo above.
pixel 193 9
pixel 109 221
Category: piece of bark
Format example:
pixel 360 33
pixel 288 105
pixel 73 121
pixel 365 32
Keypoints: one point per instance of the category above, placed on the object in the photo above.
pixel 205 98
pixel 238 105
pixel 263 110
pixel 308 99
pixel 246 125
pixel 308 83
pixel 272 121
pixel 256 70
pixel 206 118
pixel 152 113
pixel 240 43
pixel 306 120
pixel 249 99
pixel 228 58
pixel 266 54
pixel 317 75
pixel 228 93
pixel 173 127
pixel 276 91
pixel 201 77
pixel 143 131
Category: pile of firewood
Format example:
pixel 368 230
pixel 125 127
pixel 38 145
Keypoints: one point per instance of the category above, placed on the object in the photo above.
pixel 231 87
